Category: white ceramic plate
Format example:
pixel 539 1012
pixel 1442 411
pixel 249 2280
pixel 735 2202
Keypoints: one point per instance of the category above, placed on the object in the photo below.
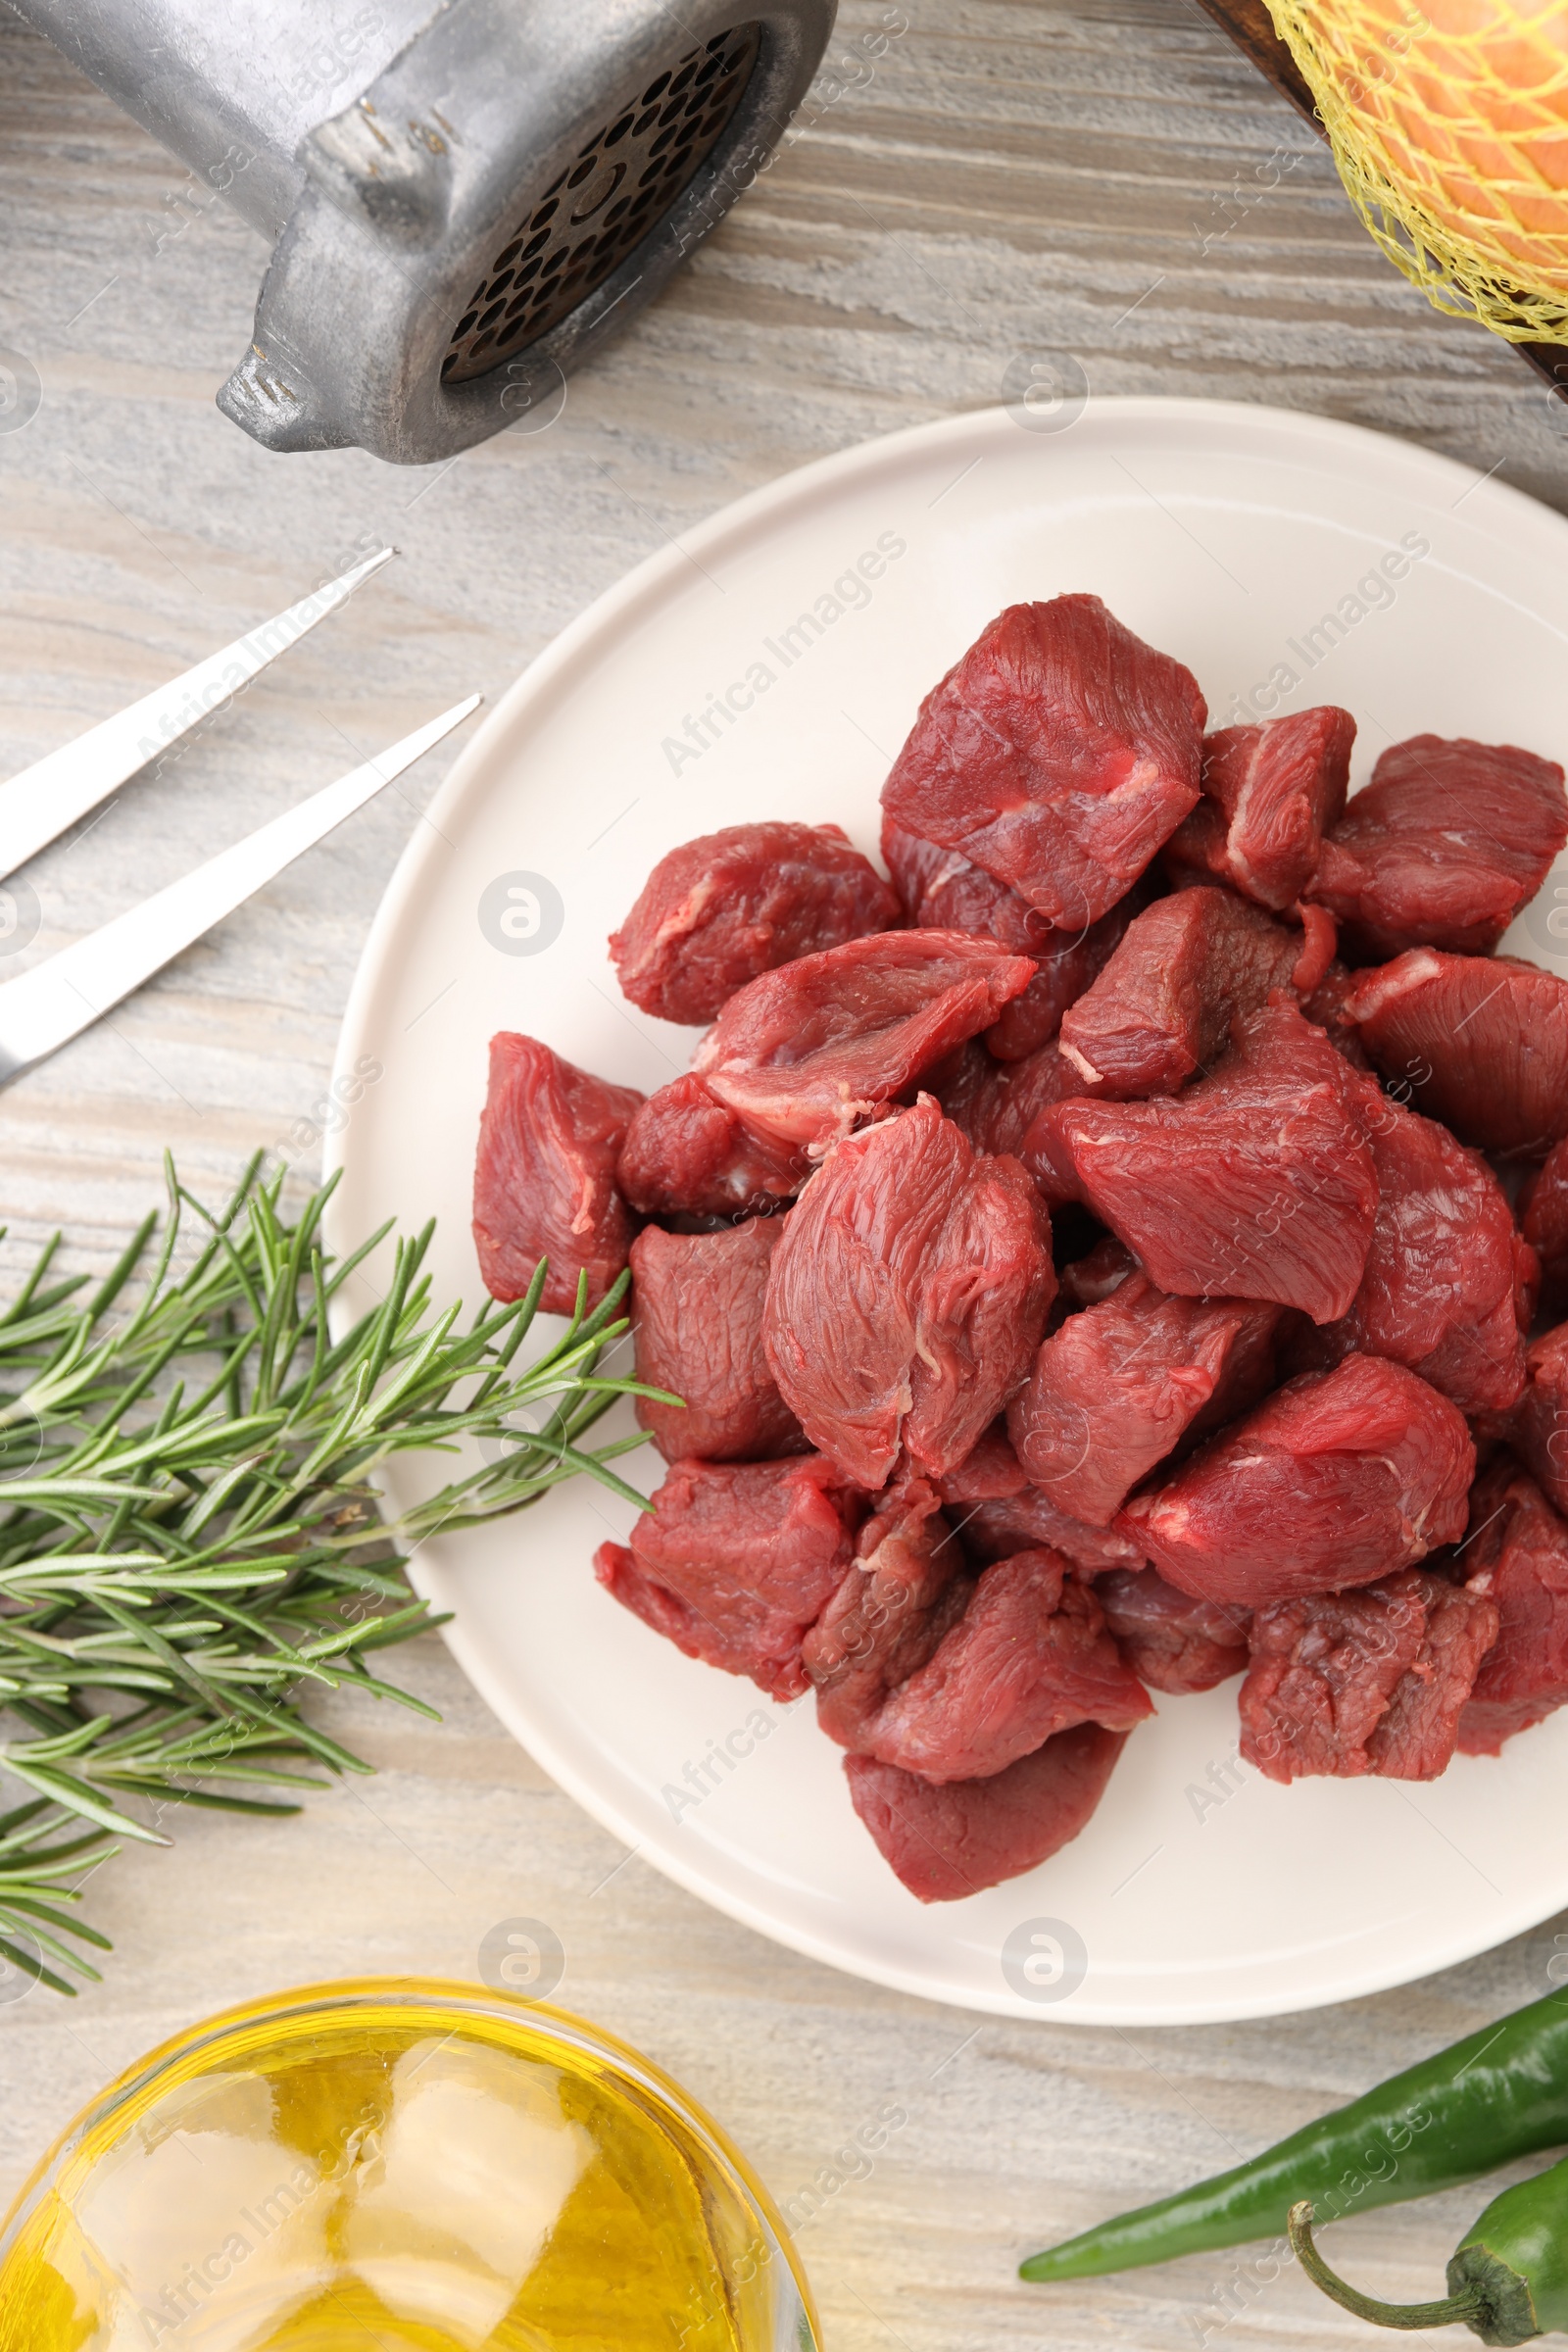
pixel 1224 535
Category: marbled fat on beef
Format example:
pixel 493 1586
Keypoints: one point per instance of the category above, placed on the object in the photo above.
pixel 696 1327
pixel 1171 1642
pixel 1441 1288
pixel 1270 792
pixel 946 1842
pixel 1059 755
pixel 1481 1041
pixel 1441 849
pixel 717 911
pixel 736 1561
pixel 1163 1005
pixel 686 1153
pixel 1517 1556
pixel 544 1179
pixel 1114 1390
pixel 1344 1683
pixel 1253 1183
pixel 1339 1479
pixel 804 1053
pixel 1029 1657
pixel 908 1295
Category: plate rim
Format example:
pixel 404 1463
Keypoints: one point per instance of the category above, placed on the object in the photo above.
pixel 643 583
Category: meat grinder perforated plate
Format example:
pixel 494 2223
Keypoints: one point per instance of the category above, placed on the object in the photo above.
pixel 598 212
pixel 770 666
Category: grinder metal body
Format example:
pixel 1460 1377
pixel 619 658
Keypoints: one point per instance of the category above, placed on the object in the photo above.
pixel 465 197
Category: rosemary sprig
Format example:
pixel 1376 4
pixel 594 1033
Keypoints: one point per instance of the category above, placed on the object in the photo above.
pixel 191 1533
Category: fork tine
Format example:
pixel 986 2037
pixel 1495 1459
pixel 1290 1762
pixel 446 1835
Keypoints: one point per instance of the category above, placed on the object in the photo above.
pixel 41 1009
pixel 38 805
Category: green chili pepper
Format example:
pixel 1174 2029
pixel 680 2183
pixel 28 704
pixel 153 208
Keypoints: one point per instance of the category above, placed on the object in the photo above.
pixel 1508 2280
pixel 1498 2094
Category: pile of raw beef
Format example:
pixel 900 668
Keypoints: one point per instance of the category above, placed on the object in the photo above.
pixel 1103 1261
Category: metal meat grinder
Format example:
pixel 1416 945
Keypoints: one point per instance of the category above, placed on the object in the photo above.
pixel 465 197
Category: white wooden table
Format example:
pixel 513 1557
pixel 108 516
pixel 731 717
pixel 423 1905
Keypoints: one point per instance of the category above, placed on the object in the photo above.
pixel 1100 177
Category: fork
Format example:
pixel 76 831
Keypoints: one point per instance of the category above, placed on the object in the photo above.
pixel 43 1008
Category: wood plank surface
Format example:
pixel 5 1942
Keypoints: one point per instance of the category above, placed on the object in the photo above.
pixel 1107 178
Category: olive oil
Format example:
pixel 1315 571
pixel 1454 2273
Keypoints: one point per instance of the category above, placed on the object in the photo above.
pixel 397 2169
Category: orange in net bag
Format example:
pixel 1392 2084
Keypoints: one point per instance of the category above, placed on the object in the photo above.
pixel 1449 121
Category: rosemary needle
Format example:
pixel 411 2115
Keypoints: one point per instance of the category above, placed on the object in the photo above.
pixel 190 1531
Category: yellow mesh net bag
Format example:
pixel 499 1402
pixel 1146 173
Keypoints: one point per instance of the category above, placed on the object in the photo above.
pixel 1449 121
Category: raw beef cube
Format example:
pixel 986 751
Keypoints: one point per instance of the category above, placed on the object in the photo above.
pixel 908 1295
pixel 1255 1183
pixel 1526 1283
pixel 697 1323
pixel 1269 793
pixel 991 1530
pixel 943 892
pixel 741 1637
pixel 1416 1737
pixel 988 1471
pixel 686 1153
pixel 1543 1211
pixel 1029 1657
pixel 1326 1005
pixel 1323 1668
pixel 1517 1555
pixel 940 890
pixel 544 1183
pixel 749 1553
pixel 1164 1004
pixel 1324 1671
pixel 996 1512
pixel 907 1587
pixel 1059 755
pixel 1249 1370
pixel 1063 969
pixel 1339 1479
pixel 1540 1423
pixel 997 1102
pixel 717 911
pixel 1170 1641
pixel 1116 1386
pixel 1441 849
pixel 804 1053
pixel 1480 1041
pixel 945 1844
pixel 1440 1289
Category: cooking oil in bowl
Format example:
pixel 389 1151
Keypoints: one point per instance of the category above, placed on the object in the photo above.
pixel 397 2167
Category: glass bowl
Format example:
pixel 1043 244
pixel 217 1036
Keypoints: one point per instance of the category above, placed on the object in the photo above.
pixel 393 2165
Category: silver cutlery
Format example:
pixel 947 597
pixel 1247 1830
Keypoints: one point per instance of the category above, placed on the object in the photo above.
pixel 41 1009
